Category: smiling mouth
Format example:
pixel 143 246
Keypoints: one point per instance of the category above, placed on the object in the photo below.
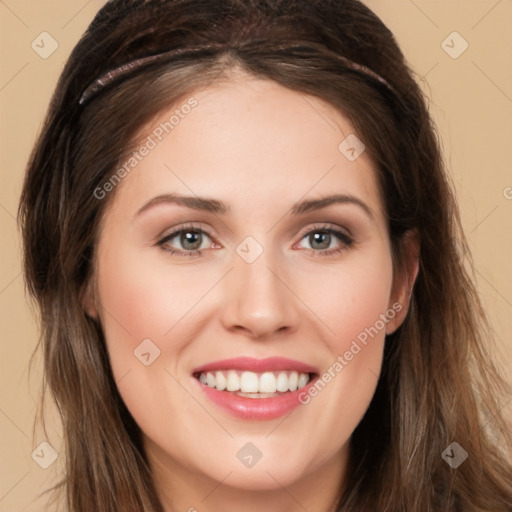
pixel 248 384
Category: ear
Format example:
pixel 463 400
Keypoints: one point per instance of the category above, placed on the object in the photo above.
pixel 89 300
pixel 404 279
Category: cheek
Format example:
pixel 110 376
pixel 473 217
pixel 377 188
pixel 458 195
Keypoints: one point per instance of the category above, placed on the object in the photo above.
pixel 140 301
pixel 141 310
pixel 351 297
pixel 354 308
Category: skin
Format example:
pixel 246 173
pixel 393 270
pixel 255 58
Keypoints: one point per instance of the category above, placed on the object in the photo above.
pixel 260 148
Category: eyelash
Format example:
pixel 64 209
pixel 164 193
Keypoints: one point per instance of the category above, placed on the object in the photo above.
pixel 346 240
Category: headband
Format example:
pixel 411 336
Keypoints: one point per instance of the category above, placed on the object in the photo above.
pixel 128 68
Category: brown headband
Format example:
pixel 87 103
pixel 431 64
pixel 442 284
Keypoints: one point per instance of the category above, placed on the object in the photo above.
pixel 111 76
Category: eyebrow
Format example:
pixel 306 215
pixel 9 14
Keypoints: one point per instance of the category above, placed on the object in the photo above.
pixel 219 207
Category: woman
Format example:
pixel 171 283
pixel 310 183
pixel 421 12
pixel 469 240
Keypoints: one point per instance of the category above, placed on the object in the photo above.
pixel 254 369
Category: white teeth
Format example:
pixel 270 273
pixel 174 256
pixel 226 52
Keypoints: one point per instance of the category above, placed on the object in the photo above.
pixel 267 383
pixel 303 380
pixel 293 380
pixel 258 385
pixel 282 382
pixel 210 380
pixel 220 381
pixel 249 382
pixel 233 381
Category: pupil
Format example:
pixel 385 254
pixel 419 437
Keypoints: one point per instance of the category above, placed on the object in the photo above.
pixel 317 237
pixel 191 237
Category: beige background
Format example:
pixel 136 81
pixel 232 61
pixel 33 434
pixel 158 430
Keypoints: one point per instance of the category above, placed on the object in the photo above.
pixel 471 100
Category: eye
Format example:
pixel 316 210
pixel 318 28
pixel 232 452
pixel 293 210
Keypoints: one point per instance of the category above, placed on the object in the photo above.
pixel 190 238
pixel 321 238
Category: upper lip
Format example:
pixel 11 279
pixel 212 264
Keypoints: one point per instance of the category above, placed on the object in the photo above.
pixel 257 365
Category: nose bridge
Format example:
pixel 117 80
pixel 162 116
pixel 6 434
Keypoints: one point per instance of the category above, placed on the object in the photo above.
pixel 258 300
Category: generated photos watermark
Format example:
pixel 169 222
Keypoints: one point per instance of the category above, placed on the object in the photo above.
pixel 355 348
pixel 151 142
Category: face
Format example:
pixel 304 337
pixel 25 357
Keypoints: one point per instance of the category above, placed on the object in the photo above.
pixel 247 249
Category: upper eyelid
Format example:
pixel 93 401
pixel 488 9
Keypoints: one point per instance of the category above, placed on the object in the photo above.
pixel 327 226
pixel 187 227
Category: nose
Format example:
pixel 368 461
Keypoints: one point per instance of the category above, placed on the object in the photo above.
pixel 259 301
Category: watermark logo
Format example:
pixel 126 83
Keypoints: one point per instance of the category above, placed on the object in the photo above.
pixel 249 250
pixel 44 45
pixel 454 45
pixel 249 455
pixel 454 455
pixel 351 147
pixel 44 455
pixel 146 352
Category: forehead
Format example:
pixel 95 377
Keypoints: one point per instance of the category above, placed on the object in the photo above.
pixel 249 141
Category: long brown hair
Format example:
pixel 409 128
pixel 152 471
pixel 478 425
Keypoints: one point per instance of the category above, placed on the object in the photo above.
pixel 438 383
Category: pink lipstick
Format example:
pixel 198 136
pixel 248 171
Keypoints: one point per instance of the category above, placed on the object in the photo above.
pixel 258 389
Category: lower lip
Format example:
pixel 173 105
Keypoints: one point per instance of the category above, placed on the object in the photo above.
pixel 256 408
